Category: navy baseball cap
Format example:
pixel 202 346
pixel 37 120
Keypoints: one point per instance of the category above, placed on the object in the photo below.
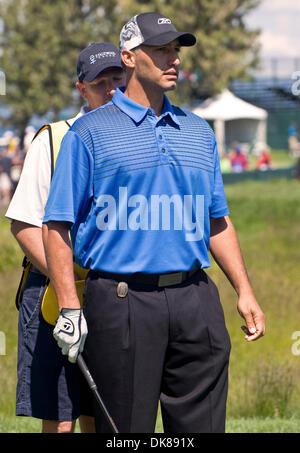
pixel 152 29
pixel 96 58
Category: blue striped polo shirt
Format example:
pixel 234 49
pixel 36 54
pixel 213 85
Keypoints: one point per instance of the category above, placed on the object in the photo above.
pixel 138 190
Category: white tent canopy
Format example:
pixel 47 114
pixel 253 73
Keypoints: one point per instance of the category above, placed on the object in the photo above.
pixel 234 120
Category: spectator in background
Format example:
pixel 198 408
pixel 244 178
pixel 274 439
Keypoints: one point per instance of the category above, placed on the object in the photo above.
pixel 264 161
pixel 17 162
pixel 28 137
pixel 292 131
pixel 239 161
pixel 5 176
pixel 294 145
pixel 13 143
pixel 225 164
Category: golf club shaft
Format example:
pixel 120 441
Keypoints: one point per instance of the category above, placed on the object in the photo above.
pixel 91 383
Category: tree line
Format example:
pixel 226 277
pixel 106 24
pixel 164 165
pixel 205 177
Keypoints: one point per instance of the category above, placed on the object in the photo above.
pixel 40 41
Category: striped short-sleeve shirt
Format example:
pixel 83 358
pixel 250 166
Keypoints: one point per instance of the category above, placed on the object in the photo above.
pixel 139 190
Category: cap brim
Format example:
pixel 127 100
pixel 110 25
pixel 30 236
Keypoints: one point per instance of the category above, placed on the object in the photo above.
pixel 185 39
pixel 97 70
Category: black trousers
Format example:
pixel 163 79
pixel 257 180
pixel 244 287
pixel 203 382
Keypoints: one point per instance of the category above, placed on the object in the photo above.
pixel 169 344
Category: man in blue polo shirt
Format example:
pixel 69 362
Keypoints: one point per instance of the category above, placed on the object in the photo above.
pixel 138 184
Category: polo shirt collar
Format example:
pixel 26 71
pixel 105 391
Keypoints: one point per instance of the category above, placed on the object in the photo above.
pixel 137 111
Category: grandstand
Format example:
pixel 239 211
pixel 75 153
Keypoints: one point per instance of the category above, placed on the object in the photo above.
pixel 275 88
pixel 268 93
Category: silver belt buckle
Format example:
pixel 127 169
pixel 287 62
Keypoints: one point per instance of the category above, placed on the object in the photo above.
pixel 170 279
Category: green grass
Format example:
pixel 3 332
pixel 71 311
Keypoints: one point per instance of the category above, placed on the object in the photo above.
pixel 267 219
pixel 11 424
pixel 10 251
pixel 259 425
pixel 264 388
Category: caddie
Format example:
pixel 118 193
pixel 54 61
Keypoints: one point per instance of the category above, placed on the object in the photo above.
pixel 49 386
pixel 139 187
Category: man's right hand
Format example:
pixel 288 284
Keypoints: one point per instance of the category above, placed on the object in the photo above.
pixel 70 332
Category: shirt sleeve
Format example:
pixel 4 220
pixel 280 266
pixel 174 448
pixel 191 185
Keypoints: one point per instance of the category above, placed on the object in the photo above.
pixel 72 182
pixel 30 197
pixel 219 207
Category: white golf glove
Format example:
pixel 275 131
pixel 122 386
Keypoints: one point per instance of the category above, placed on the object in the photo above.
pixel 70 332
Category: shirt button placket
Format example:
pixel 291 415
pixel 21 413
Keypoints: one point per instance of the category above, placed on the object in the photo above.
pixel 162 146
pixel 163 150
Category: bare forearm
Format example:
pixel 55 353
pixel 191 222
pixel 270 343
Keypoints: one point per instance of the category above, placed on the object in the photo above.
pixel 225 249
pixel 30 240
pixel 60 263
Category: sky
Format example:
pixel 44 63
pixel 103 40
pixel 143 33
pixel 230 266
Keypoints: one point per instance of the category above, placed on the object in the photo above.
pixel 279 22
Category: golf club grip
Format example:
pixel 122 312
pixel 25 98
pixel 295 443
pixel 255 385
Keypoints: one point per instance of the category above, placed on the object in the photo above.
pixel 92 385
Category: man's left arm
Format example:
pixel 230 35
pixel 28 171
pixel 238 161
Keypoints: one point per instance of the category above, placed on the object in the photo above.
pixel 225 249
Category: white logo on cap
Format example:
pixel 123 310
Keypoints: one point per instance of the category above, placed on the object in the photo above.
pixel 102 55
pixel 163 20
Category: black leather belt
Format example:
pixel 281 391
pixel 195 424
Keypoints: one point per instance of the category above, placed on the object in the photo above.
pixel 173 278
